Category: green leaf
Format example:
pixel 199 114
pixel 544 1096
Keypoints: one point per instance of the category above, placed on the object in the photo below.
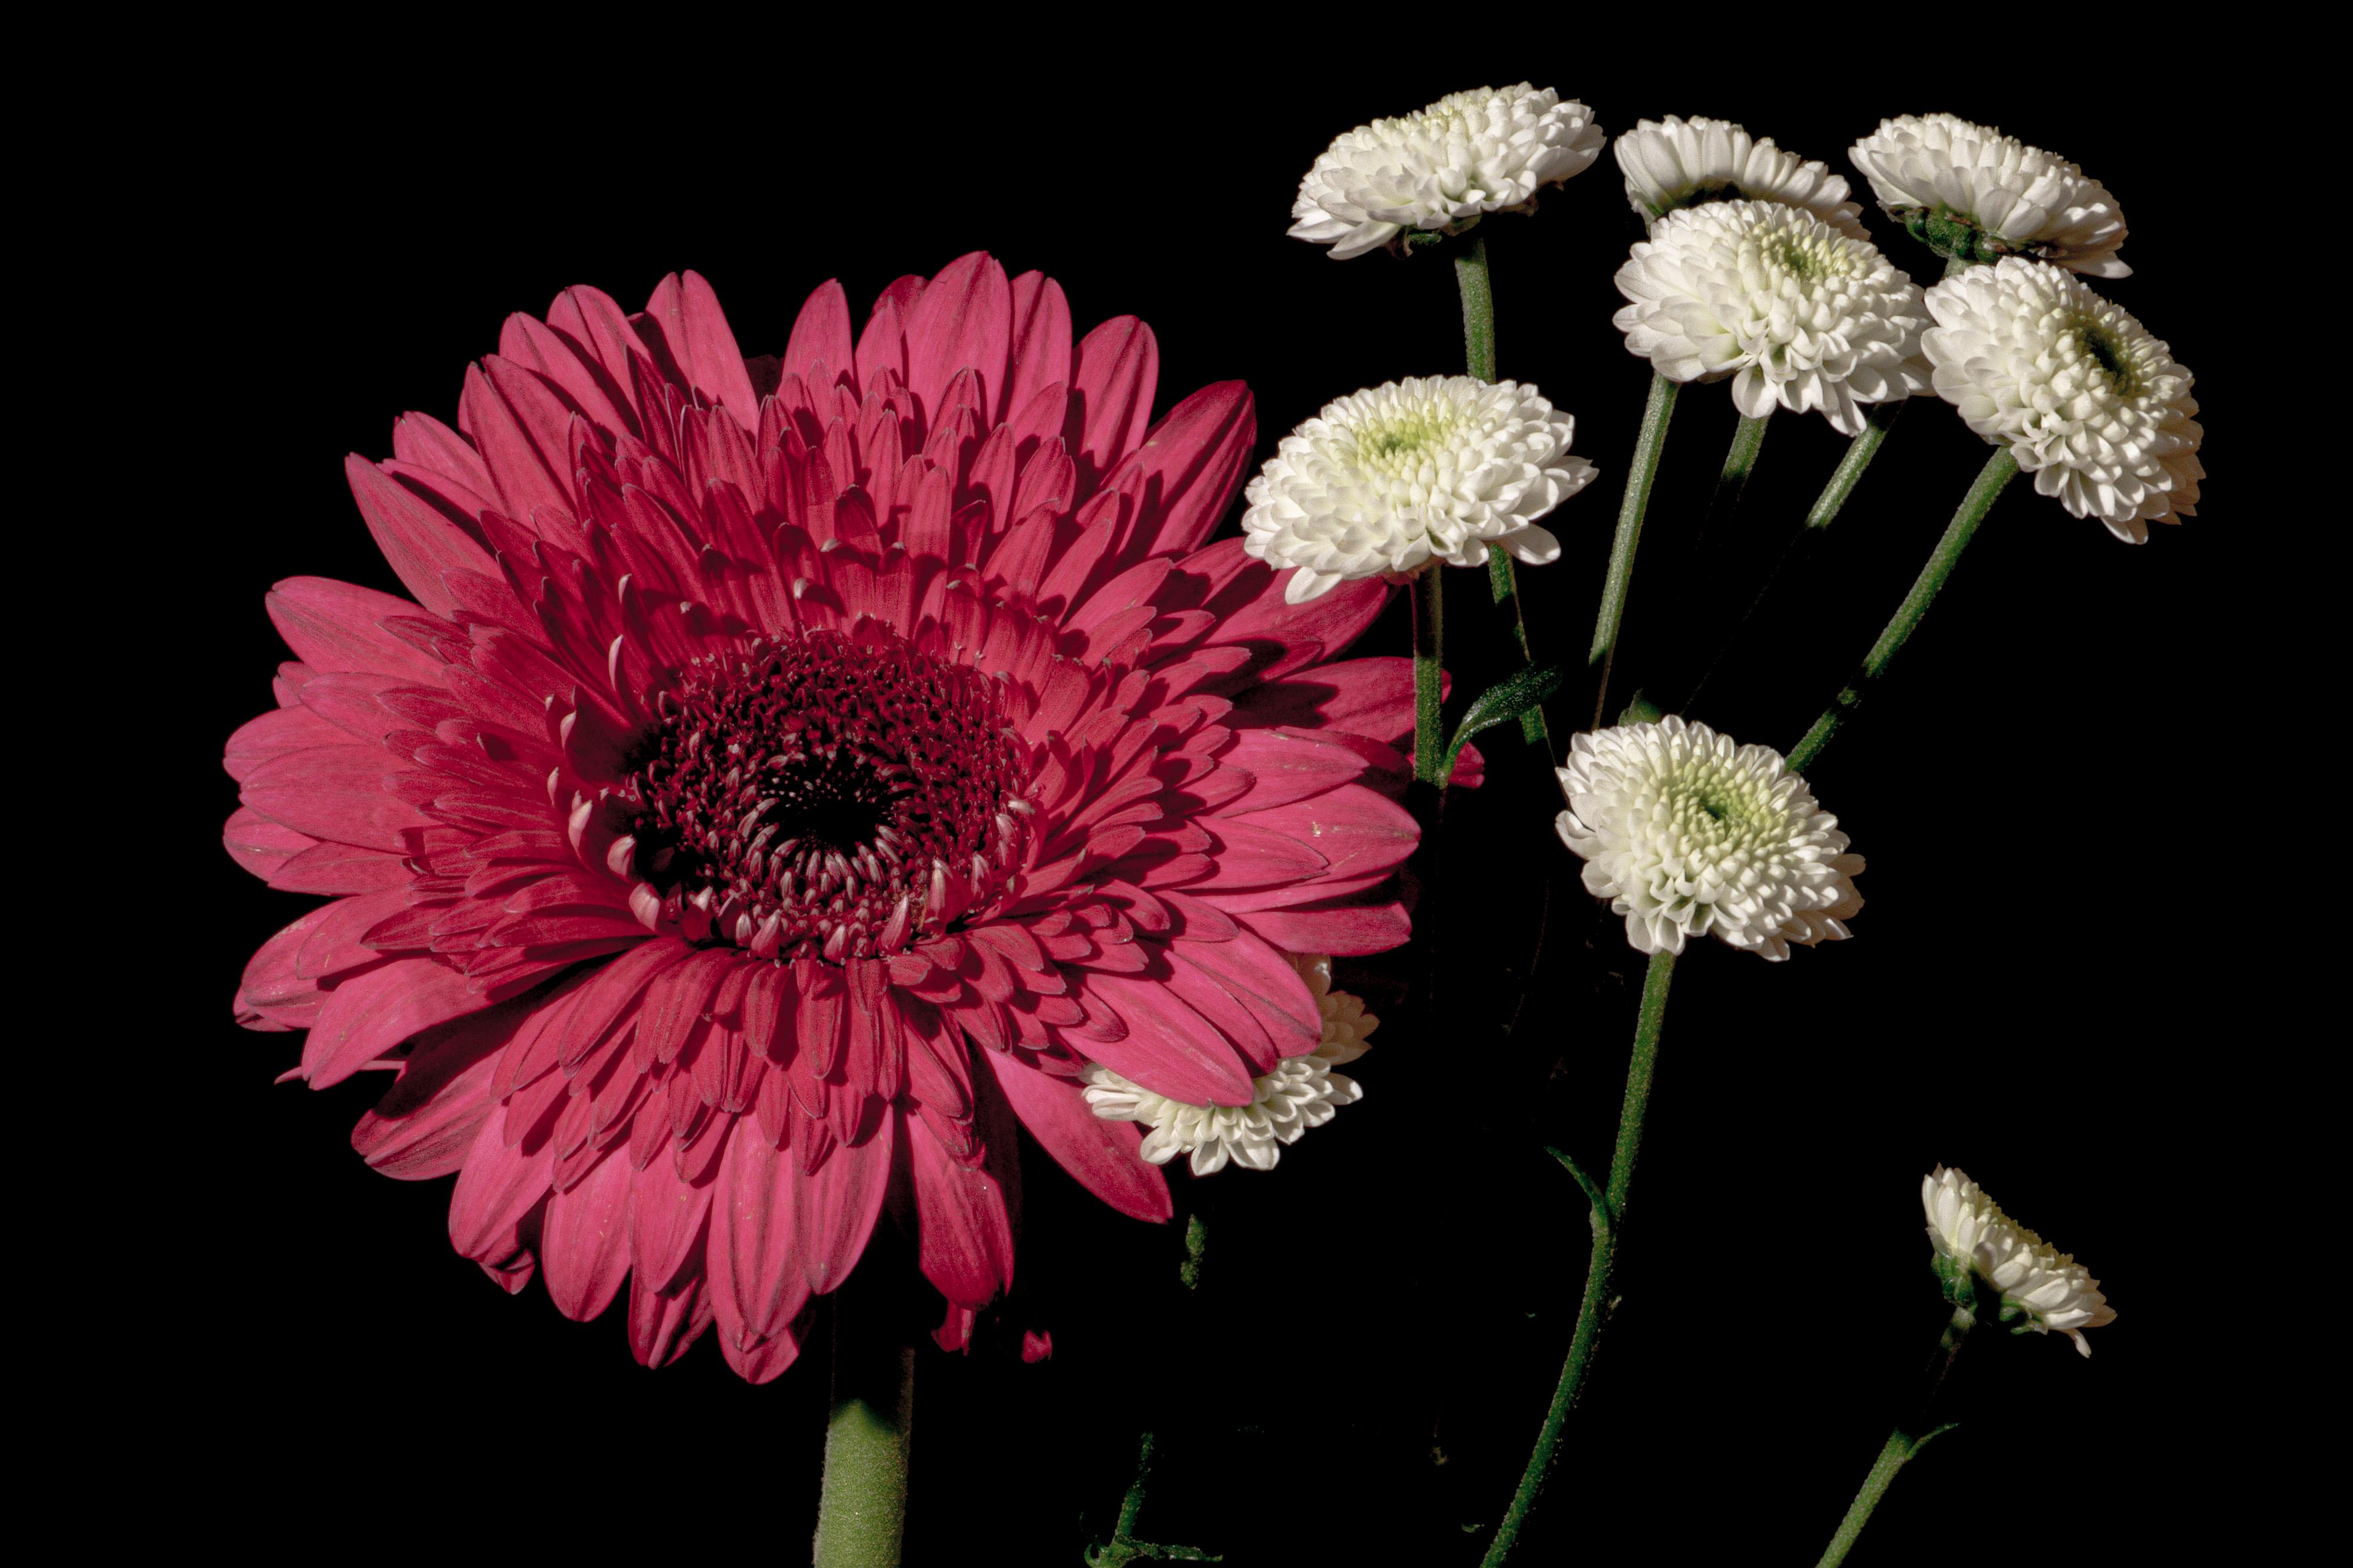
pixel 1500 704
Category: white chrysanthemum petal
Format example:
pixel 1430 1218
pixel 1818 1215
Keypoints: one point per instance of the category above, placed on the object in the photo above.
pixel 1677 162
pixel 1303 1091
pixel 1386 481
pixel 2090 404
pixel 2021 200
pixel 2055 1293
pixel 1688 836
pixel 1799 315
pixel 1442 169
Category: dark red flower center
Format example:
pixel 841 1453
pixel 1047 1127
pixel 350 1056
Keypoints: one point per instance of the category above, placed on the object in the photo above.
pixel 817 797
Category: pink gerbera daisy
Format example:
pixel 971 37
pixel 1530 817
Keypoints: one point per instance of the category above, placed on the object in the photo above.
pixel 789 774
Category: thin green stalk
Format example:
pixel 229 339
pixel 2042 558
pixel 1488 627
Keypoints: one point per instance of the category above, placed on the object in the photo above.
pixel 862 1507
pixel 1860 451
pixel 1479 357
pixel 1640 475
pixel 1429 676
pixel 1608 1207
pixel 1478 308
pixel 1906 1440
pixel 1731 483
pixel 1957 264
pixel 1876 423
pixel 1998 470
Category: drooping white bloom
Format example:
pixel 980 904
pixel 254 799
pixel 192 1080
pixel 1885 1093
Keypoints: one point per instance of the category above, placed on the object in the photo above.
pixel 1688 836
pixel 1976 194
pixel 1677 162
pixel 1436 468
pixel 2049 1289
pixel 2092 405
pixel 1303 1091
pixel 1442 169
pixel 1798 314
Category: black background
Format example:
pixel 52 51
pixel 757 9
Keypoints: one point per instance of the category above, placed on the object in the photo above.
pixel 2060 794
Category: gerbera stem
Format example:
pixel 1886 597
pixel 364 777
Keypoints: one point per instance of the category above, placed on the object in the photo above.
pixel 1860 451
pixel 1903 1443
pixel 862 1507
pixel 1998 470
pixel 1479 358
pixel 1641 474
pixel 1608 1220
pixel 1429 677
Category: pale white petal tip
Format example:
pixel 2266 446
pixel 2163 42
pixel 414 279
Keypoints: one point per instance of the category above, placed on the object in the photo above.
pixel 1442 169
pixel 1688 836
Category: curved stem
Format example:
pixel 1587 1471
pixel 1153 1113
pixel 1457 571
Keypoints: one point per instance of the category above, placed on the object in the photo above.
pixel 1903 1443
pixel 1640 475
pixel 1998 470
pixel 1601 1272
pixel 1809 535
pixel 863 1509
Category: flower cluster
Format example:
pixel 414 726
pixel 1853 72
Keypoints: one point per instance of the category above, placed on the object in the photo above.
pixel 1442 169
pixel 1386 481
pixel 1677 162
pixel 1303 1091
pixel 792 776
pixel 1799 314
pixel 2049 1289
pixel 1688 836
pixel 1973 193
pixel 2089 403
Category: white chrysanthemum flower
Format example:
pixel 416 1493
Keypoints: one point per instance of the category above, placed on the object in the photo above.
pixel 2092 405
pixel 1435 467
pixel 2053 1292
pixel 1303 1091
pixel 1799 315
pixel 1441 170
pixel 1971 192
pixel 1688 836
pixel 1677 162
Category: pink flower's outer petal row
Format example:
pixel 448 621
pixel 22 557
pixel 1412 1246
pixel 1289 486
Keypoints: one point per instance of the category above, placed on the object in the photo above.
pixel 629 1107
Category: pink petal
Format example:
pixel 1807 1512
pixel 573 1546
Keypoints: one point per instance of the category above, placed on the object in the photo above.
pixel 420 542
pixel 965 1236
pixel 584 1239
pixel 964 320
pixel 1101 1154
pixel 335 625
pixel 498 1187
pixel 1117 367
pixel 1168 1046
pixel 1041 342
pixel 370 1014
pixel 753 1259
pixel 821 335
